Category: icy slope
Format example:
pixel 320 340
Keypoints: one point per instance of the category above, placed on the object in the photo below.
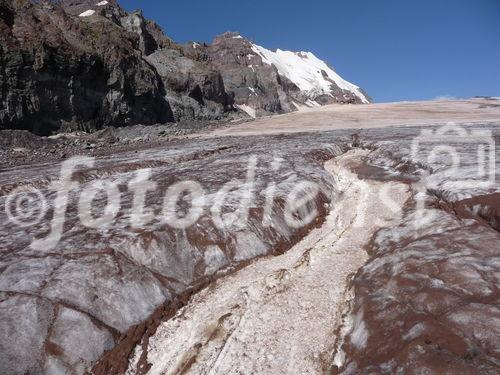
pixel 238 325
pixel 310 74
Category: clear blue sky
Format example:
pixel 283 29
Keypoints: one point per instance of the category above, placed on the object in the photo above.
pixel 394 49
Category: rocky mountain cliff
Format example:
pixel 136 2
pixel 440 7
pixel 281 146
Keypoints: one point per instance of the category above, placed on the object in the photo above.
pixel 84 65
pixel 266 82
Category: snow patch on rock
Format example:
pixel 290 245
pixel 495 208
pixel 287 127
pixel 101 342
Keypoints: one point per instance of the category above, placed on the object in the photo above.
pixel 247 109
pixel 87 13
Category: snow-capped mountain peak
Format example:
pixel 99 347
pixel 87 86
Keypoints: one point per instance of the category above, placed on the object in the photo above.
pixel 311 74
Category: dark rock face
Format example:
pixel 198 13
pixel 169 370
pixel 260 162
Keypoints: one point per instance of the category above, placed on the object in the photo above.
pixel 194 90
pixel 59 73
pixel 136 23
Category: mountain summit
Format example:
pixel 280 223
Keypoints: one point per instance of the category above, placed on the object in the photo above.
pixel 266 82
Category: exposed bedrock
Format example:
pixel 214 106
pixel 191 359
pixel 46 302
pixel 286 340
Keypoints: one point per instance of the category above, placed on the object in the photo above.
pixel 59 73
pixel 194 89
pixel 253 83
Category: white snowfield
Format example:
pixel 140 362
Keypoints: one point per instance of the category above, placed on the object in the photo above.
pixel 306 71
pixel 87 13
pixel 102 3
pixel 376 115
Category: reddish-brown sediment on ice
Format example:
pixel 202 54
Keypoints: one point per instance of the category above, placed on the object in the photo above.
pixel 116 361
pixel 485 208
pixel 428 300
pixel 61 309
pixel 238 326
